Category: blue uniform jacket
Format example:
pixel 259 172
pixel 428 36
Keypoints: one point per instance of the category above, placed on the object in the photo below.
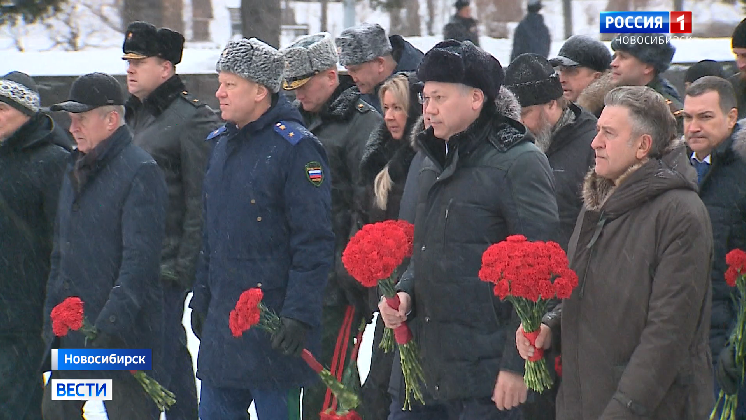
pixel 267 198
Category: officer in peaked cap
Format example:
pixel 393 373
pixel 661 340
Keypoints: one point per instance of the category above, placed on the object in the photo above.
pixel 172 126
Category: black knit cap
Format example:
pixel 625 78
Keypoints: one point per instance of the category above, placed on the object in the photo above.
pixel 583 51
pixel 460 4
pixel 738 40
pixel 143 40
pixel 657 54
pixel 533 80
pixel 91 91
pixel 462 62
pixel 702 69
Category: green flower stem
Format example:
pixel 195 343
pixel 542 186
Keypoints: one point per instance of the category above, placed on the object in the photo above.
pixel 412 371
pixel 346 398
pixel 162 397
pixel 730 402
pixel 388 290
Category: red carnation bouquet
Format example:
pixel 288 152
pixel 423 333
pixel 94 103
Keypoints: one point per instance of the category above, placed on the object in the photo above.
pixel 528 275
pixel 372 257
pixel 250 312
pixel 69 315
pixel 735 276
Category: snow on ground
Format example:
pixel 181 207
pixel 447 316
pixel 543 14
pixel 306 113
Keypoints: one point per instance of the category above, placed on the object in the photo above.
pixel 202 60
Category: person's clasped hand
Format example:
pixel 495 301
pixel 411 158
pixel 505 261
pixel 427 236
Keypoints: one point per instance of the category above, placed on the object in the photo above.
pixel 291 338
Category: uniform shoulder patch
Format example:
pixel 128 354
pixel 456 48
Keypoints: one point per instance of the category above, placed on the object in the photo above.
pixel 215 133
pixel 191 99
pixel 314 173
pixel 292 131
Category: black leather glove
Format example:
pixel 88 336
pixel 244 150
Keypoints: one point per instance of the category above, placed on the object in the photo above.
pixel 198 321
pixel 727 371
pixel 104 340
pixel 291 338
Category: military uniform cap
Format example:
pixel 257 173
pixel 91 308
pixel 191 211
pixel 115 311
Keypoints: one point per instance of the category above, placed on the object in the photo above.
pixel 143 40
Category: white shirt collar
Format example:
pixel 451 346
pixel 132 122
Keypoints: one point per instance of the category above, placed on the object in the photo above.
pixel 706 159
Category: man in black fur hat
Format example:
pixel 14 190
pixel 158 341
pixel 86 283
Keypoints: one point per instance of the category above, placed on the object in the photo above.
pixel 172 126
pixel 482 181
pixel 639 60
pixel 333 111
pixel 738 80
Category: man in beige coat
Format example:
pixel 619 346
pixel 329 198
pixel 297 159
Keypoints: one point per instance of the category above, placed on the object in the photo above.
pixel 634 334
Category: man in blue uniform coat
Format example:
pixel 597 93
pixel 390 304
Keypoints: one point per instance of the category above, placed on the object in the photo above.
pixel 267 209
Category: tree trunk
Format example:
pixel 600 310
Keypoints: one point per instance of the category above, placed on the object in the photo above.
pixel 413 19
pixel 201 17
pixel 261 19
pixel 396 25
pixel 496 14
pixel 173 12
pixel 567 14
pixel 616 5
pixel 145 10
pixel 430 17
pixel 324 4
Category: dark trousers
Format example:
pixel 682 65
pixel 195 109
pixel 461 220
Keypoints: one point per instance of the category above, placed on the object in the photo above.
pixel 233 404
pixel 21 386
pixel 434 411
pixel 178 361
pixel 128 401
pixel 376 397
pixel 471 409
pixel 332 320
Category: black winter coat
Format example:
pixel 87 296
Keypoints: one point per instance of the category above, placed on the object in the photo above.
pixel 723 190
pixel 531 36
pixel 343 127
pixel 570 156
pixel 739 86
pixel 172 126
pixel 107 242
pixel 493 183
pixel 462 29
pixel 32 163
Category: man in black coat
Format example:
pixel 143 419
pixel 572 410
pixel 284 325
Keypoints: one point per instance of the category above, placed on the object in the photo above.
pixel 334 112
pixel 482 181
pixel 531 35
pixel 718 146
pixel 738 80
pixel 561 130
pixel 462 27
pixel 33 156
pixel 171 125
pixel 370 58
pixel 107 242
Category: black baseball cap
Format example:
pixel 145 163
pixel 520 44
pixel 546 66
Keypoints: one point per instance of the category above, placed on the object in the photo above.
pixel 583 51
pixel 91 91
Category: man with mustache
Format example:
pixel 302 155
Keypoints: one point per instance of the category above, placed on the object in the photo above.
pixel 718 153
pixel 561 129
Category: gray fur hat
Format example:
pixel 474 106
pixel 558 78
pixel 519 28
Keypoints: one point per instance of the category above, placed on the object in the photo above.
pixel 254 60
pixel 362 43
pixel 306 57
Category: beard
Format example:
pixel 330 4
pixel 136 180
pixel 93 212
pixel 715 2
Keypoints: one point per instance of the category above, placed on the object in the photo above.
pixel 543 134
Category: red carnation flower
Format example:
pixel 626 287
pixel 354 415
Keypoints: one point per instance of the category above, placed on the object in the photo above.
pixel 502 289
pixel 66 316
pixel 247 313
pixel 564 287
pixel 376 251
pixel 736 258
pixel 731 275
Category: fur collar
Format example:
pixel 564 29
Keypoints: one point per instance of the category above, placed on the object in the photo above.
pixel 160 98
pixel 739 140
pixel 597 190
pixel 381 149
pixel 592 97
pixel 507 104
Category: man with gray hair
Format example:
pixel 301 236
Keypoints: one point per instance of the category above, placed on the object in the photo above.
pixel 333 111
pixel 634 334
pixel 370 58
pixel 267 209
pixel 107 247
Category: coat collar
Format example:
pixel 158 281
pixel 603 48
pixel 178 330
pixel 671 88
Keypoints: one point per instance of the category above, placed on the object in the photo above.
pixel 35 131
pixel 161 98
pixel 281 110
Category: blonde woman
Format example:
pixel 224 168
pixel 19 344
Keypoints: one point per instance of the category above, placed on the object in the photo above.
pixel 389 152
